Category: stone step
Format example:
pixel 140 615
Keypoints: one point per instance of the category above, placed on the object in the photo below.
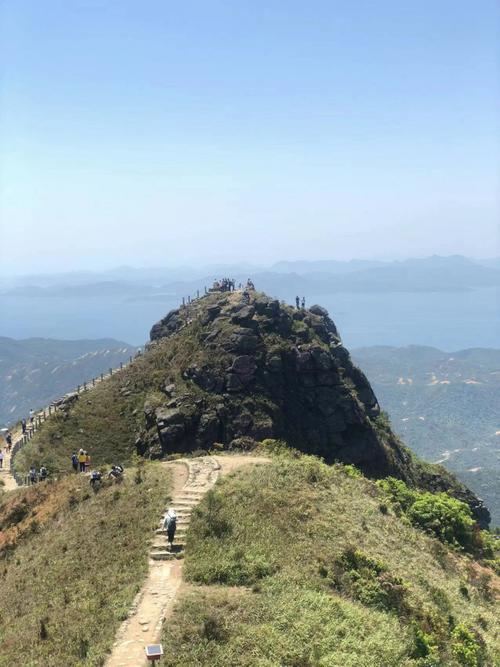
pixel 163 555
pixel 183 504
pixel 161 546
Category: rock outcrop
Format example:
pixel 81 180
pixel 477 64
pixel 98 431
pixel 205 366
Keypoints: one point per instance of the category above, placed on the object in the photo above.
pixel 242 369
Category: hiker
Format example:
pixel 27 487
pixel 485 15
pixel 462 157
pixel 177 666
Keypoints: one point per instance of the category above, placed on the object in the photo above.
pixel 32 416
pixel 303 302
pixel 95 479
pixel 43 473
pixel 23 426
pixel 1 459
pixel 74 461
pixel 170 524
pixel 87 461
pixel 297 302
pixel 32 475
pixel 82 459
pixel 8 440
pixel 116 473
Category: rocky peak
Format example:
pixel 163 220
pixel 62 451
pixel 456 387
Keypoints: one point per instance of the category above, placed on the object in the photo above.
pixel 244 367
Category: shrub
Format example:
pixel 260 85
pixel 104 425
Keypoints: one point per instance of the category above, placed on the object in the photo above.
pixel 446 517
pixel 467 647
pixel 398 492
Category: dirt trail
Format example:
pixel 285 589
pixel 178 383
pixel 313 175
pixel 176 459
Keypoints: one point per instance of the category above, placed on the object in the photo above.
pixel 5 474
pixel 192 478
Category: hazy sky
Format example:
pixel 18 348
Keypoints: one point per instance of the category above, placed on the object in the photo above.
pixel 156 132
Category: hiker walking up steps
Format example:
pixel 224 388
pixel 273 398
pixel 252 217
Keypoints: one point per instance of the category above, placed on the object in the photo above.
pixel 1 459
pixel 170 524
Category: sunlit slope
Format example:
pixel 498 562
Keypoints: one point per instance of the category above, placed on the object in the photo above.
pixel 71 562
pixel 299 564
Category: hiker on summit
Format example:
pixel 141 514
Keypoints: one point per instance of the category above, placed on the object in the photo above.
pixel 303 302
pixel 297 302
pixel 170 525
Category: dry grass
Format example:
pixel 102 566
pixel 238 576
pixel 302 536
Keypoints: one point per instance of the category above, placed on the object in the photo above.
pixel 74 563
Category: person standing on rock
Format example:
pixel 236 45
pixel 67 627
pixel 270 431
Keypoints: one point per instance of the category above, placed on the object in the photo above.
pixel 303 302
pixel 170 525
pixel 297 302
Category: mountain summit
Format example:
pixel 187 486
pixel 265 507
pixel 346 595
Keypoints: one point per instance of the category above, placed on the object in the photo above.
pixel 236 368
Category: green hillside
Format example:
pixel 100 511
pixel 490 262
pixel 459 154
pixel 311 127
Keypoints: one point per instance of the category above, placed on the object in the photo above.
pixel 299 564
pixel 71 562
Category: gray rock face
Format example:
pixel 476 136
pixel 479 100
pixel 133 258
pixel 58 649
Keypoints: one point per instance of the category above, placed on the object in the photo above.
pixel 243 340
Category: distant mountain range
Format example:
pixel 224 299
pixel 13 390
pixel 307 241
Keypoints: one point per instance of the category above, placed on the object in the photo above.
pixel 431 274
pixel 35 371
pixel 444 406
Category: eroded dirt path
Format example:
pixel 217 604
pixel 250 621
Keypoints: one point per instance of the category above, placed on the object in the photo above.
pixel 192 478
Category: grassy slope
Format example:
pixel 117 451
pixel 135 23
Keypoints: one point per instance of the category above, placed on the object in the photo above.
pixel 105 420
pixel 71 562
pixel 266 548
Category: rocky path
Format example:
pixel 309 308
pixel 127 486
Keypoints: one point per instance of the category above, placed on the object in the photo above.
pixel 192 479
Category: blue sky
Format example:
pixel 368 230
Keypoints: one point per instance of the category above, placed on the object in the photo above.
pixel 163 133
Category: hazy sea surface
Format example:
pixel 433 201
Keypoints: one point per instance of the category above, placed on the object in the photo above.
pixel 447 320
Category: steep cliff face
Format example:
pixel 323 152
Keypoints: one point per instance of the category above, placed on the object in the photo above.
pixel 244 367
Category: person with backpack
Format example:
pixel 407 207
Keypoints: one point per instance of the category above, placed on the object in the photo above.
pixel 8 440
pixel 87 462
pixel 43 473
pixel 170 525
pixel 23 426
pixel 95 479
pixel 74 461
